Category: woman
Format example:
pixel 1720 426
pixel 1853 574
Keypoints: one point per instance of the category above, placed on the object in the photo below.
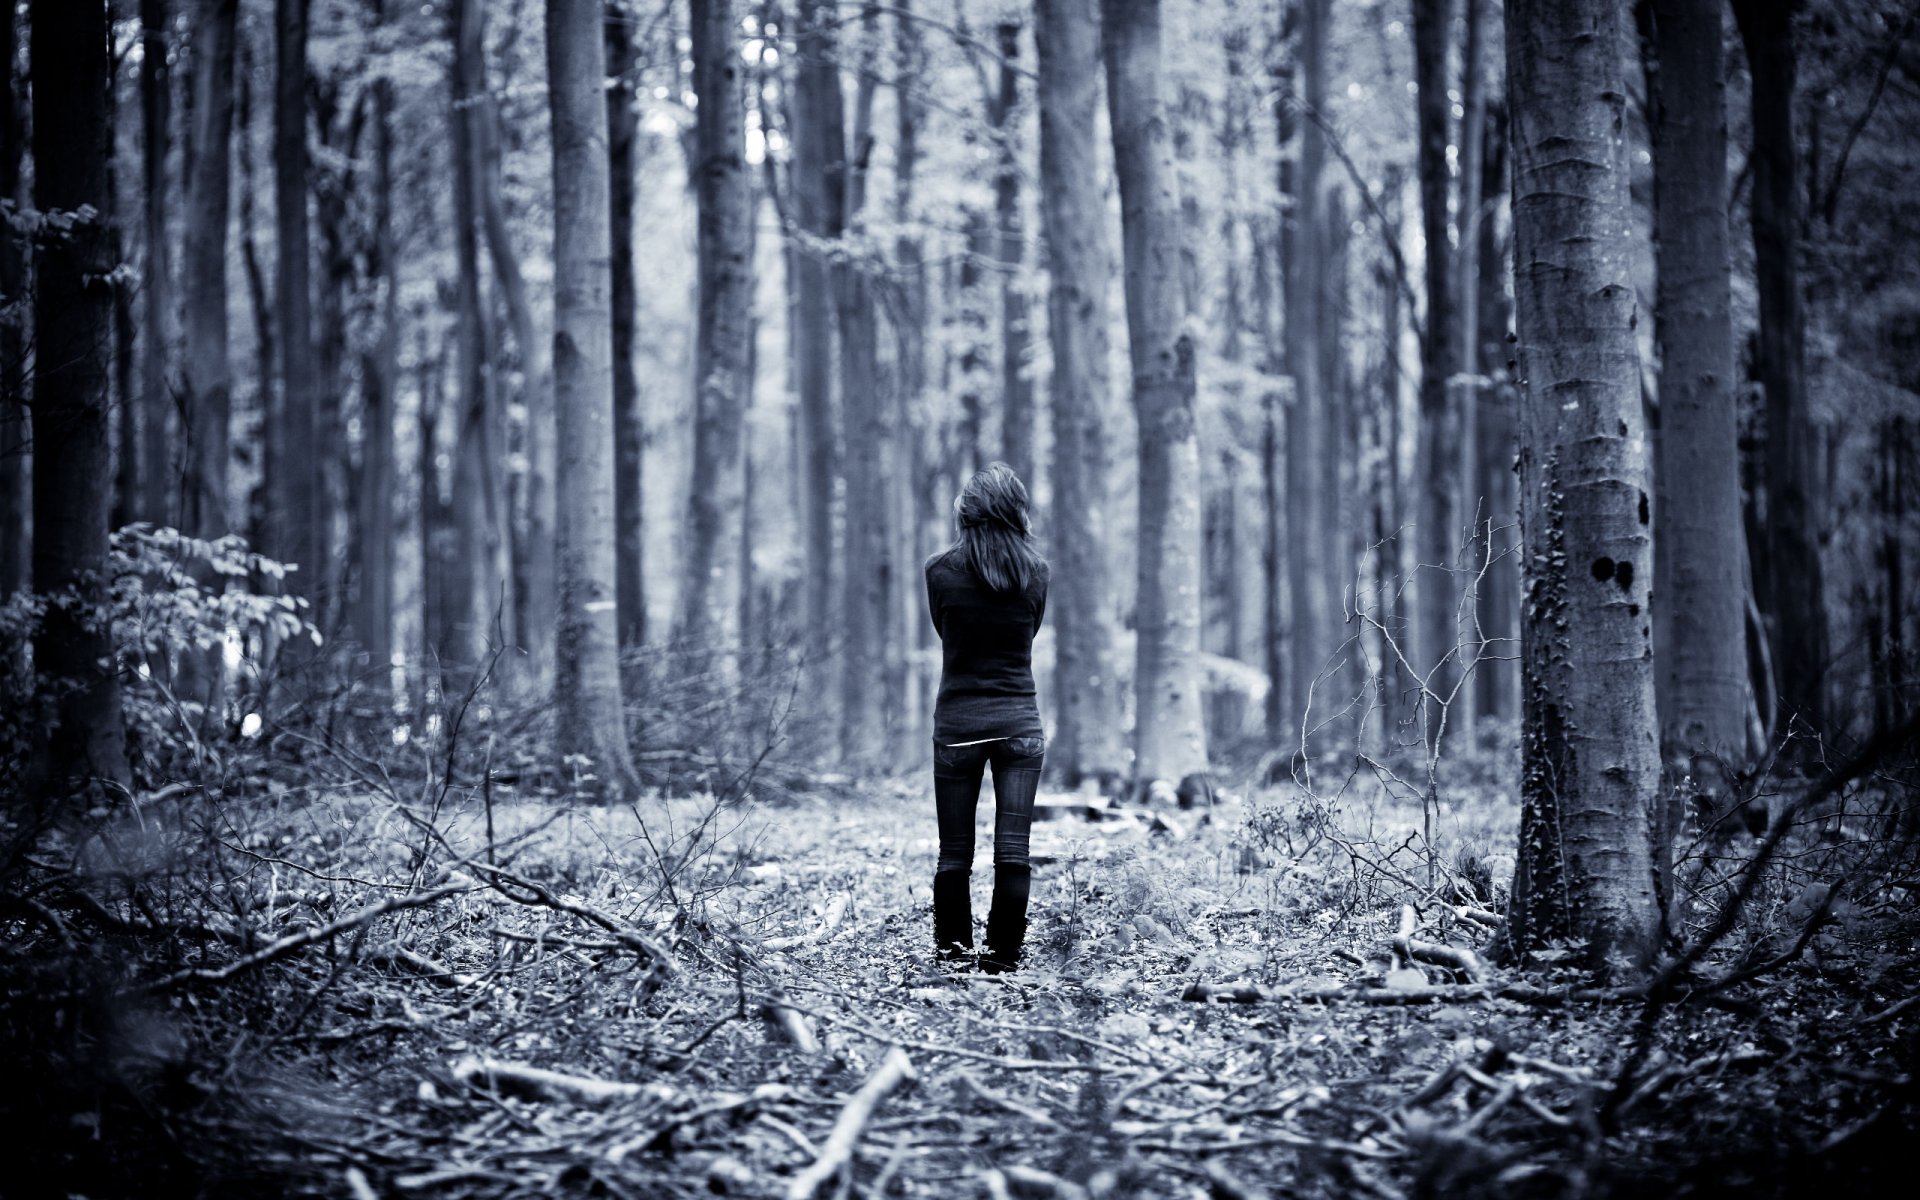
pixel 986 596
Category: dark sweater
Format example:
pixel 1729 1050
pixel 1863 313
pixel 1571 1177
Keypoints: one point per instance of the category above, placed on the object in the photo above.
pixel 986 676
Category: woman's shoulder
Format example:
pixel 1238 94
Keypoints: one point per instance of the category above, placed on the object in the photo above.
pixel 937 559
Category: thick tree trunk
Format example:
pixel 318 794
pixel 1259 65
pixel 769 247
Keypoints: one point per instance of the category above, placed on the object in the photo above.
pixel 1016 384
pixel 1789 565
pixel 1590 755
pixel 1169 739
pixel 158 478
pixel 1700 623
pixel 293 429
pixel 629 430
pixel 867 434
pixel 1437 521
pixel 710 596
pixel 1089 741
pixel 590 718
pixel 16 500
pixel 73 651
pixel 819 208
pixel 206 371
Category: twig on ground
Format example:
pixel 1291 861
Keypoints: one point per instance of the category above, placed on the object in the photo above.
pixel 538 1083
pixel 894 1070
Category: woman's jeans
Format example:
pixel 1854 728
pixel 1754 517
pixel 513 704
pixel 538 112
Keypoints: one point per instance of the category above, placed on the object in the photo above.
pixel 957 771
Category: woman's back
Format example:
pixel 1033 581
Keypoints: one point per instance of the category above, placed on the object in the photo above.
pixel 986 682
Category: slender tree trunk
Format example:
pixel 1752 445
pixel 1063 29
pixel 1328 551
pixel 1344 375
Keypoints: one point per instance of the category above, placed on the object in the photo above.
pixel 629 430
pixel 819 208
pixel 590 717
pixel 379 376
pixel 1700 624
pixel 710 597
pixel 910 325
pixel 157 476
pixel 1590 758
pixel 867 424
pixel 1170 741
pixel 16 499
pixel 73 651
pixel 1310 572
pixel 479 501
pixel 1016 384
pixel 1499 675
pixel 206 372
pixel 1089 740
pixel 1470 504
pixel 260 448
pixel 533 566
pixel 1792 578
pixel 1438 520
pixel 293 449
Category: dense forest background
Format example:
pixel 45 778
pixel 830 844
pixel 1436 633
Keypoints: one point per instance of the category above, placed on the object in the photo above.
pixel 480 455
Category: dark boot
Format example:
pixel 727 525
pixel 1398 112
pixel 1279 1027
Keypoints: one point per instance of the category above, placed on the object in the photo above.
pixel 952 918
pixel 1007 920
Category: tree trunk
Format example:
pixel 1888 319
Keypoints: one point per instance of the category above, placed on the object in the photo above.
pixel 206 372
pixel 710 598
pixel 590 718
pixel 910 326
pixel 16 500
pixel 629 430
pixel 1499 674
pixel 479 500
pixel 379 376
pixel 1789 564
pixel 1169 732
pixel 293 449
pixel 1437 520
pixel 1470 504
pixel 867 423
pixel 157 476
pixel 819 208
pixel 1590 756
pixel 1088 736
pixel 1016 385
pixel 74 650
pixel 532 568
pixel 1310 582
pixel 1700 624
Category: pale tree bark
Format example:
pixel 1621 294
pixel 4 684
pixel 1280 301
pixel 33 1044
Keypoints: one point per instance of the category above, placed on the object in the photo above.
pixel 16 500
pixel 206 371
pixel 1589 750
pixel 1437 520
pixel 479 499
pixel 866 416
pixel 1791 576
pixel 1089 741
pixel 157 475
pixel 73 650
pixel 1470 503
pixel 1016 385
pixel 1700 625
pixel 818 186
pixel 293 448
pixel 710 596
pixel 589 714
pixel 629 431
pixel 1169 739
pixel 910 329
pixel 379 377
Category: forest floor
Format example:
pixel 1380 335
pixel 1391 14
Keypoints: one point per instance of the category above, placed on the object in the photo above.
pixel 516 1030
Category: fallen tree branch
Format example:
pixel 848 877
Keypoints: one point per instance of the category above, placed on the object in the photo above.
pixel 1450 993
pixel 538 1083
pixel 894 1070
pixel 504 881
pixel 295 943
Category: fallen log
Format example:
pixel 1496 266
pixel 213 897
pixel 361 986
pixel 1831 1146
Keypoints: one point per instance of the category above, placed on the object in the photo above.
pixel 837 1152
pixel 1448 993
pixel 538 1083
